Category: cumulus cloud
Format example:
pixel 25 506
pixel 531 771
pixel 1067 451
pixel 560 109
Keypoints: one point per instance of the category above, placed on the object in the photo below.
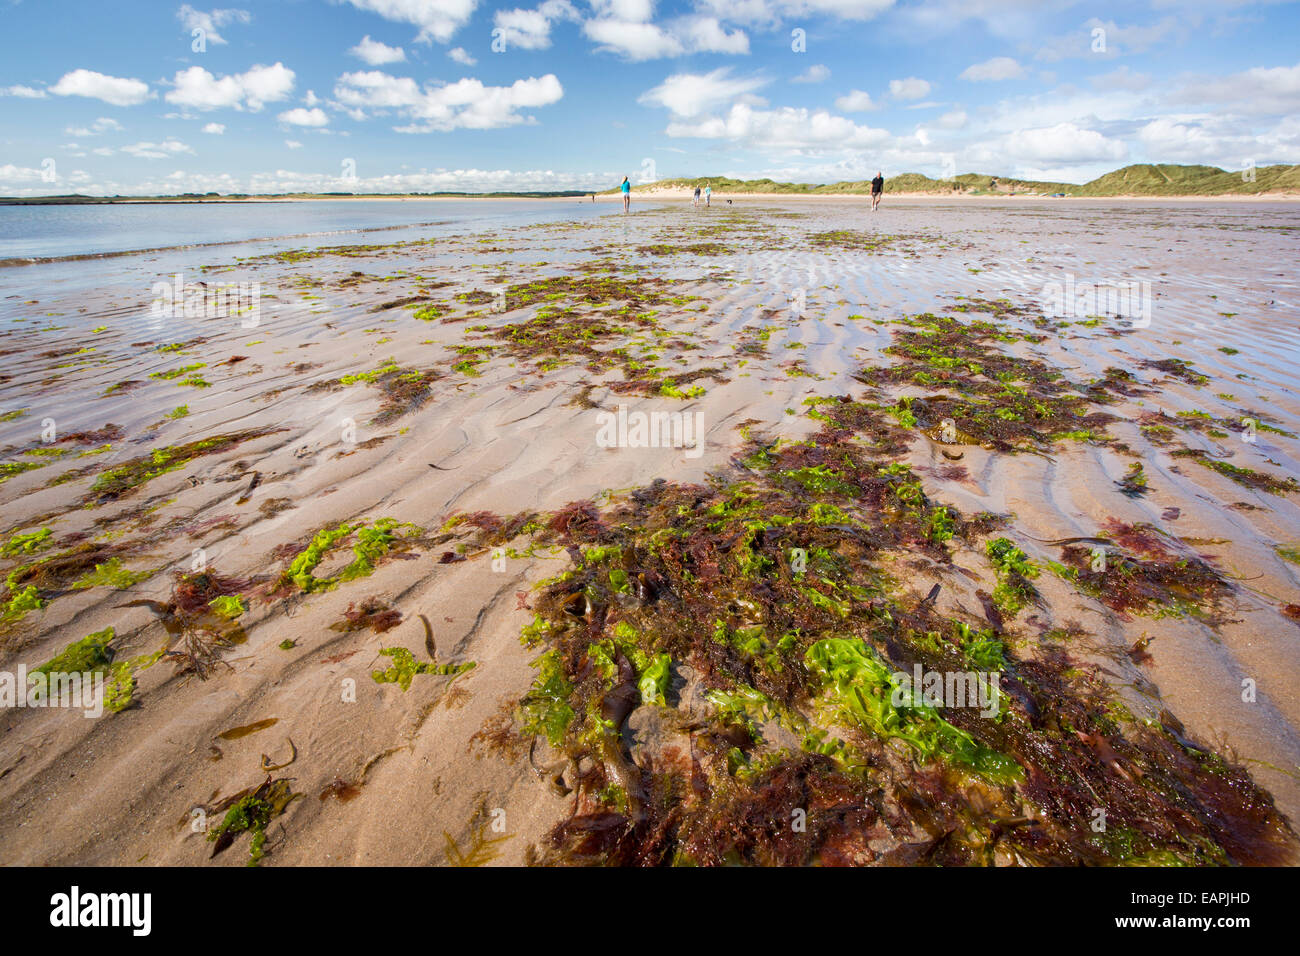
pixel 197 88
pixel 619 31
pixel 465 104
pixel 437 19
pixel 376 53
pixel 211 21
pixel 462 56
pixel 215 129
pixel 855 101
pixel 531 29
pixel 691 94
pixel 25 92
pixel 301 116
pixel 111 89
pixel 785 128
pixel 1265 90
pixel 998 68
pixel 819 73
pixel 911 88
pixel 1064 143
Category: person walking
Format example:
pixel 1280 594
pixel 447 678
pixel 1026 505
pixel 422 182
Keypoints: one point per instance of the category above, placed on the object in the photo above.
pixel 696 201
pixel 627 193
pixel 877 187
pixel 708 195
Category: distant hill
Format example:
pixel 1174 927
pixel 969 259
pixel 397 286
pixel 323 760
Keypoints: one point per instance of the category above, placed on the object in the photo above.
pixel 1142 179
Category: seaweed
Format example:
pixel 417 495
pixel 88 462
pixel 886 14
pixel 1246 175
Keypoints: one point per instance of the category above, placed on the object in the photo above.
pixel 122 480
pixel 404 667
pixel 251 811
pixel 768 594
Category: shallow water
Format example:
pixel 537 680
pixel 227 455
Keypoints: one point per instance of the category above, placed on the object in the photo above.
pixel 31 232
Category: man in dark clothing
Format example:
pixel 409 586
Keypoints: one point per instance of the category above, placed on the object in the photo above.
pixel 877 187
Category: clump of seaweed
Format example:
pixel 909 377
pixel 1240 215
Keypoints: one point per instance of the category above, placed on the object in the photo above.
pixel 1246 477
pixel 405 667
pixel 372 614
pixel 121 480
pixel 371 543
pixel 991 398
pixel 721 658
pixel 1144 571
pixel 250 811
pixel 856 240
pixel 403 390
pixel 200 618
pixel 1134 482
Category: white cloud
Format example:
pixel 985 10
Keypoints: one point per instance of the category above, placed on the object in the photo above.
pixel 209 22
pixel 692 94
pixel 462 56
pixel 1064 143
pixel 253 89
pixel 769 13
pixel 1259 90
pixel 952 120
pixel 818 73
pixel 111 89
pixel 437 19
pixel 304 117
pixel 998 68
pixel 376 53
pixel 293 144
pixel 216 129
pixel 909 89
pixel 638 40
pixel 531 29
pixel 855 101
pixel 100 126
pixel 25 92
pixel 168 147
pixel 786 128
pixel 465 104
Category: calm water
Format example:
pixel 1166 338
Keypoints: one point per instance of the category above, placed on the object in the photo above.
pixel 46 232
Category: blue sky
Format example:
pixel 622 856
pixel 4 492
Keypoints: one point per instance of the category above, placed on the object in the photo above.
pixel 396 95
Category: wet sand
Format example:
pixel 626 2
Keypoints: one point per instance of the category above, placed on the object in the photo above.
pixel 393 776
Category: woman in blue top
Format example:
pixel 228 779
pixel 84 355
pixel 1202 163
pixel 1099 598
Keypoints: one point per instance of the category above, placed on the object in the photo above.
pixel 627 194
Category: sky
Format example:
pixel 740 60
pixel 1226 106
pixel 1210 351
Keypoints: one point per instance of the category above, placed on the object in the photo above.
pixel 137 97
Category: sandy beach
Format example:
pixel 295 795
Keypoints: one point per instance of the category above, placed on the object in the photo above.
pixel 365 555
